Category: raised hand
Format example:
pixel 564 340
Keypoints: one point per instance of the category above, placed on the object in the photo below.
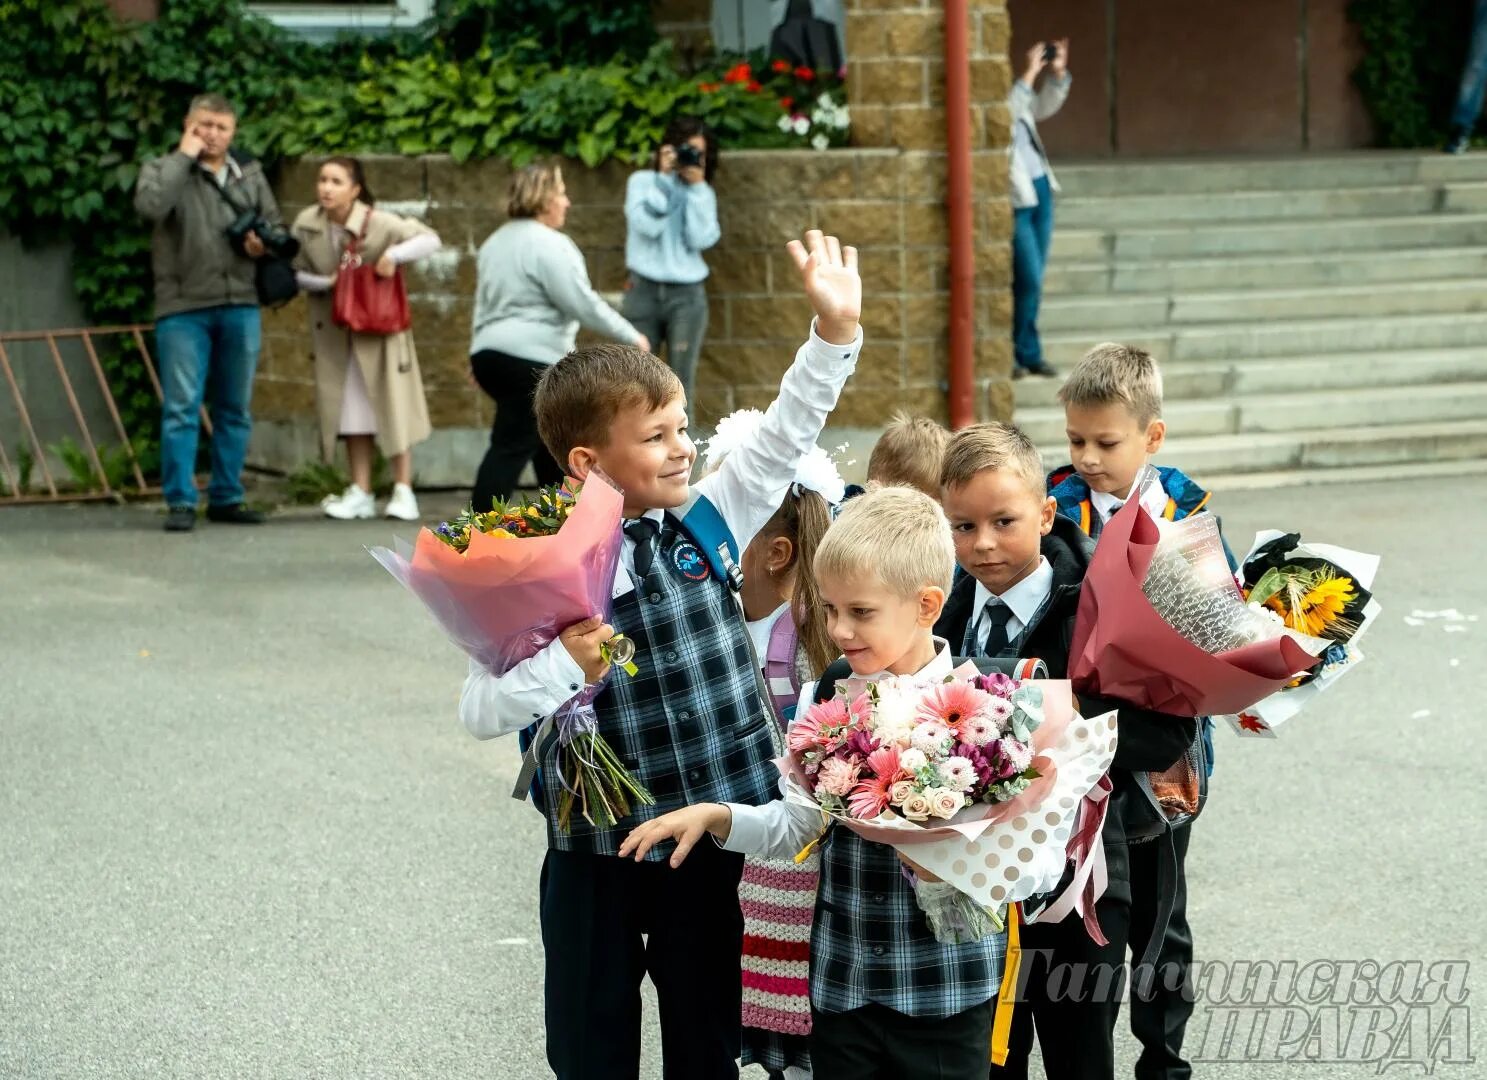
pixel 829 273
pixel 1035 63
pixel 191 143
pixel 1060 63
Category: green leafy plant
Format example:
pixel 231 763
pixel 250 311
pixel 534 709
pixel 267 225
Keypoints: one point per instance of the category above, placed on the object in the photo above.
pixel 79 465
pixel 1411 65
pixel 313 481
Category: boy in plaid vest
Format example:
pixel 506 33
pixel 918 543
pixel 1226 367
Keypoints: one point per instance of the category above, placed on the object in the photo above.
pixel 1026 566
pixel 691 724
pixel 887 999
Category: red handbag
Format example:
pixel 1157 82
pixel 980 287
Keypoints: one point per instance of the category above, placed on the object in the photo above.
pixel 363 302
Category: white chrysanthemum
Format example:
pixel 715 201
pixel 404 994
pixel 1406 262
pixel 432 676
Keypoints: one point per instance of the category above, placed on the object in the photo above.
pixel 819 141
pixel 786 123
pixel 802 125
pixel 825 102
pixel 1000 710
pixel 817 472
pixel 1265 612
pixel 1017 753
pixel 843 118
pixel 733 430
pixel 958 773
pixel 931 738
pixel 912 759
pixel 978 730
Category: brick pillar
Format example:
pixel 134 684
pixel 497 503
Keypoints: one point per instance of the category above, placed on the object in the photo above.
pixel 896 84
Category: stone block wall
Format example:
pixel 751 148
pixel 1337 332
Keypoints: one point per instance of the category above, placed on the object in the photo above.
pixel 885 195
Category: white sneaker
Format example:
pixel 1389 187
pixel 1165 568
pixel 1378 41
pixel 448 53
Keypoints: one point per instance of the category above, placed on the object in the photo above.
pixel 350 505
pixel 403 505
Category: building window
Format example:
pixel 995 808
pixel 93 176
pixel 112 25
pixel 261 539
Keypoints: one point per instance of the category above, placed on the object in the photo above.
pixel 742 26
pixel 321 20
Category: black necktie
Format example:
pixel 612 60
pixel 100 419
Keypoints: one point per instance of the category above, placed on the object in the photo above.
pixel 996 617
pixel 643 532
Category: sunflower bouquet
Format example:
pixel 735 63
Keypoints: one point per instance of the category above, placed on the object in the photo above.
pixel 1317 590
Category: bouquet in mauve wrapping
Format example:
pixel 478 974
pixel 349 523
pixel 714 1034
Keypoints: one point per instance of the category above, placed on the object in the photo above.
pixel 1162 623
pixel 974 780
pixel 503 585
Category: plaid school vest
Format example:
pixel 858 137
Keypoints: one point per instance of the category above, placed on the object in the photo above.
pixel 690 723
pixel 871 943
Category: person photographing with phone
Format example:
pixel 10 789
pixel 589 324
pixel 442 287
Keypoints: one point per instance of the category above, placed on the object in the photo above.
pixel 1033 185
pixel 216 230
pixel 671 218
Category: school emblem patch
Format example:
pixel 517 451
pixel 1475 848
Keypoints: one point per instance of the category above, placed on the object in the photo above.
pixel 689 562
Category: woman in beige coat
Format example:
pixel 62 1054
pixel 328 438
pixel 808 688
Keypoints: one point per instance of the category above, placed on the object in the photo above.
pixel 367 386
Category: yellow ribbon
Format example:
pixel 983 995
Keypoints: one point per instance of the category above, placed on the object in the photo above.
pixel 1001 1024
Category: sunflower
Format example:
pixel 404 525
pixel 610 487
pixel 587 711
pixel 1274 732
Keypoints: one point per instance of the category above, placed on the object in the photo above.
pixel 1313 602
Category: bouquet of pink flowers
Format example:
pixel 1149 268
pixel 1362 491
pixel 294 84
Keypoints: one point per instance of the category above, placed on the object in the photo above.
pixel 975 779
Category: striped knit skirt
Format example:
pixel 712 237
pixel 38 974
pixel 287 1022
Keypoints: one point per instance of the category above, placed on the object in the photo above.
pixel 778 899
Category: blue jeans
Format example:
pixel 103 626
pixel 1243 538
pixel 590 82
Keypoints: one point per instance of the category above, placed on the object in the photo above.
pixel 1032 232
pixel 211 352
pixel 1473 73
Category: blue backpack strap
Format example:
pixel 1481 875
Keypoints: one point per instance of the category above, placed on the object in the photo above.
pixel 704 523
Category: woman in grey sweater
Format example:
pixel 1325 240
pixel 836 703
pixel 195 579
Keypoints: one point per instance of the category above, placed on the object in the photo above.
pixel 532 292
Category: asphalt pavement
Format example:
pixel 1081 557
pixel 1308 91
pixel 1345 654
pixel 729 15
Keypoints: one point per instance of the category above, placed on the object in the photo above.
pixel 243 833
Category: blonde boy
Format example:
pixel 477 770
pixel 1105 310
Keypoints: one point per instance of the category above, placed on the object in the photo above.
pixel 887 999
pixel 689 724
pixel 908 453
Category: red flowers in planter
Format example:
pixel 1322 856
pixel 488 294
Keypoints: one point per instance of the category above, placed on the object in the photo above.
pixel 709 87
pixel 739 73
pixel 804 73
pixel 780 66
pixel 786 103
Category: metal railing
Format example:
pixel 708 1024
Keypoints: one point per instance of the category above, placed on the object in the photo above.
pixel 15 491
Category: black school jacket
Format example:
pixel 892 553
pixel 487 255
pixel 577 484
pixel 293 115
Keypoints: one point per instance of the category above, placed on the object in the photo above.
pixel 1146 741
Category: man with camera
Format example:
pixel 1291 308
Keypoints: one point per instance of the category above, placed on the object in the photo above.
pixel 217 231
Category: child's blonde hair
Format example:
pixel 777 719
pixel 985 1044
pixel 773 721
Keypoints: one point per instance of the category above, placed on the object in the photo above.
pixel 1114 374
pixel 898 534
pixel 908 453
pixel 993 446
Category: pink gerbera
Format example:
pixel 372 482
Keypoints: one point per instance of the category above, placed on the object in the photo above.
pixel 825 726
pixel 953 703
pixel 871 795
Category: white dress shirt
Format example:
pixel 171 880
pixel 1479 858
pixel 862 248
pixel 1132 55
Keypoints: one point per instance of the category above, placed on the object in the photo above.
pixel 1153 500
pixel 746 489
pixel 779 829
pixel 1025 599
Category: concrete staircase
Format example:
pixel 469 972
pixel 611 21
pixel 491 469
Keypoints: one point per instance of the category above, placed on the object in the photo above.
pixel 1315 317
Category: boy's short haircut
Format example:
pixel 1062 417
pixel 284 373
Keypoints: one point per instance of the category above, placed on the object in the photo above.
pixel 980 447
pixel 579 396
pixel 898 534
pixel 1113 374
pixel 908 453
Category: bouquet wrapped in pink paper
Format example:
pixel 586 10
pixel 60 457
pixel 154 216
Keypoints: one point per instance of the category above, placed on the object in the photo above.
pixel 503 585
pixel 1162 623
pixel 976 780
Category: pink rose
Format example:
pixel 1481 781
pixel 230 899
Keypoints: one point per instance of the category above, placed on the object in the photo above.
pixel 916 807
pixel 944 803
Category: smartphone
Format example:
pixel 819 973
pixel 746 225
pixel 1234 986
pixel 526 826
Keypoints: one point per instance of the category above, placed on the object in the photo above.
pixel 1049 52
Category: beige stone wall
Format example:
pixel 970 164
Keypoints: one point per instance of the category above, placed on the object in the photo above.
pixel 886 196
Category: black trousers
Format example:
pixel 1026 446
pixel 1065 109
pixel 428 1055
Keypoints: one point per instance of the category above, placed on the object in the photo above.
pixel 877 1043
pixel 511 382
pixel 1070 988
pixel 1161 1004
pixel 595 909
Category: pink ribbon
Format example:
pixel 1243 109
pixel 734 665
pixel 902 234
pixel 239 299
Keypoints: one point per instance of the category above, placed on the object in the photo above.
pixel 1088 855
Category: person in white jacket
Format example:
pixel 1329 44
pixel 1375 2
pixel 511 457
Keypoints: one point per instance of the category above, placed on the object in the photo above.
pixel 1033 185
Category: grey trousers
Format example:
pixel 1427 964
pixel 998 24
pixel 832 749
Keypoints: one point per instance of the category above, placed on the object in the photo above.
pixel 675 314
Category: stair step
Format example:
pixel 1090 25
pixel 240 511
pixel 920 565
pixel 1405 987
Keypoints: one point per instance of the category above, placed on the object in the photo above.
pixel 1265 271
pixel 1220 175
pixel 1331 448
pixel 1119 211
pixel 1290 374
pixel 1267 338
pixel 1295 410
pixel 1331 301
pixel 1303 236
pixel 1357 474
